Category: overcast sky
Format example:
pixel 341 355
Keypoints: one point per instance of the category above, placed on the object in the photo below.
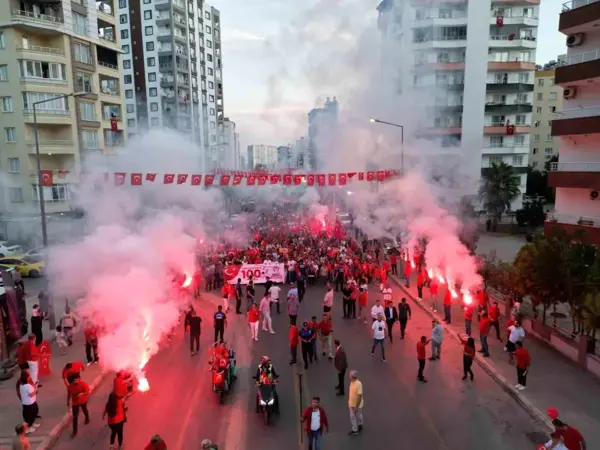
pixel 270 107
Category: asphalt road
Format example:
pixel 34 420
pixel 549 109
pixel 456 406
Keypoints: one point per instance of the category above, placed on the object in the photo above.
pixel 446 413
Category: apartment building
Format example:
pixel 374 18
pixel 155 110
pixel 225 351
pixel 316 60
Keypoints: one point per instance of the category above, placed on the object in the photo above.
pixel 576 176
pixel 50 51
pixel 485 48
pixel 262 155
pixel 547 103
pixel 321 131
pixel 172 69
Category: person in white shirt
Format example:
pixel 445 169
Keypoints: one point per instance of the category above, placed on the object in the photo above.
pixel 379 329
pixel 274 292
pixel 27 393
pixel 265 310
pixel 328 299
pixel 387 293
pixel 517 334
pixel 377 310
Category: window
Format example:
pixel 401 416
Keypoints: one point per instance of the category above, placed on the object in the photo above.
pixel 7 105
pixel 517 160
pixel 52 102
pixel 495 160
pixel 548 151
pixel 149 31
pixel 130 108
pixel 122 3
pixel 536 138
pixel 211 98
pixel 10 134
pixel 79 23
pixel 552 96
pixel 124 34
pixel 536 124
pixel 208 30
pixel 3 72
pixel 213 138
pixel 152 76
pixel 89 139
pixel 2 45
pixel 213 125
pixel 211 85
pixel 16 195
pixel 209 57
pixel 125 48
pixel 523 78
pixel 151 62
pixel 14 165
pixel 147 2
pixel 212 111
pixel 123 18
pixel 83 82
pixel 521 119
pixel 83 53
pixel 209 45
pixel 153 92
pixel 552 81
pixel 148 14
pixel 519 140
pixel 443 57
pixel 129 93
pixel 127 79
pixel 87 111
pixel 131 123
pixel 549 138
pixel 111 111
pixel 54 194
pixel 540 96
pixel 538 110
pixel 126 64
pixel 552 109
pixel 155 121
pixel 210 71
pixel 42 70
pixel 535 150
pixel 496 141
pixel 149 46
pixel 540 82
pixel 207 15
pixel 153 106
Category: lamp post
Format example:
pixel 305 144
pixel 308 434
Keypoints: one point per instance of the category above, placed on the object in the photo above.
pixel 41 189
pixel 374 120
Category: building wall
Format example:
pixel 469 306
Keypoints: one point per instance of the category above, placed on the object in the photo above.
pixel 547 101
pixel 265 155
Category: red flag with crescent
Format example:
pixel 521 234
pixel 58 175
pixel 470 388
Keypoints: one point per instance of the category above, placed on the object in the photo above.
pixel 169 178
pixel 342 179
pixel 151 177
pixel 136 179
pixel 225 180
pixel 298 179
pixel 310 180
pixel 321 179
pixel 119 178
pixel 262 180
pixel 182 178
pixel 46 178
pixel 237 179
pixel 274 179
pixel 196 180
pixel 251 180
pixel 209 180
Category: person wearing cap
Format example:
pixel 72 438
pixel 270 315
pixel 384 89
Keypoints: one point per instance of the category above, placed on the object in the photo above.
pixel 208 445
pixel 306 337
pixel 156 443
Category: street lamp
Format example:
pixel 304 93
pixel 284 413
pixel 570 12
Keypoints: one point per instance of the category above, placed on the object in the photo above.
pixel 39 162
pixel 374 120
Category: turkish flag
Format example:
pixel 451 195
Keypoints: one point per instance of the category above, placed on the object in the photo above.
pixel 298 179
pixel 262 180
pixel 370 176
pixel 231 272
pixel 136 179
pixel 209 180
pixel 342 178
pixel 321 179
pixel 169 178
pixel 310 180
pixel 182 178
pixel 237 179
pixel 381 175
pixel 196 180
pixel 351 174
pixel 274 179
pixel 251 180
pixel 150 177
pixel 225 180
pixel 119 178
pixel 114 126
pixel 46 178
pixel 361 176
pixel 499 20
pixel 332 179
pixel 287 179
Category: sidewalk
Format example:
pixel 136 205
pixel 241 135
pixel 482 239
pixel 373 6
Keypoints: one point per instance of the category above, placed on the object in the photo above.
pixel 552 381
pixel 52 397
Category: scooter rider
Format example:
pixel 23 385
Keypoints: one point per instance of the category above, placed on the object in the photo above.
pixel 265 374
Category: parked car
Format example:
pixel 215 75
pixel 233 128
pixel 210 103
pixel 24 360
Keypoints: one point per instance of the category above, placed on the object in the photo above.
pixel 36 252
pixel 27 266
pixel 6 249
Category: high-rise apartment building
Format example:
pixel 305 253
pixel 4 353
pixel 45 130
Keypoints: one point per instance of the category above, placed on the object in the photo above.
pixel 547 102
pixel 475 60
pixel 321 131
pixel 263 156
pixel 49 51
pixel 576 176
pixel 284 157
pixel 173 69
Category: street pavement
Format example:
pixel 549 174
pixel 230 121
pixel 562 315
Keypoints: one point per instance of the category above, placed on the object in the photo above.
pixel 553 380
pixel 446 413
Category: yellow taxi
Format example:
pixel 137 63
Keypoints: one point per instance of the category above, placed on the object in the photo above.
pixel 28 266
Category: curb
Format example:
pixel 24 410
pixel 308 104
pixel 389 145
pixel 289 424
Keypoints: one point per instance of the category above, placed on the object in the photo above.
pixel 533 411
pixel 55 433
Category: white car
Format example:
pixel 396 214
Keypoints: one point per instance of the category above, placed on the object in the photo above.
pixel 37 252
pixel 6 250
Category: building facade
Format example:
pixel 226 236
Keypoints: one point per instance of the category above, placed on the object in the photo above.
pixel 485 48
pixel 48 52
pixel 284 157
pixel 173 70
pixel 576 176
pixel 321 130
pixel 547 102
pixel 262 156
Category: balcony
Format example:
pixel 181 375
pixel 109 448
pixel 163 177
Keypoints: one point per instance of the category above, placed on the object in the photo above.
pixel 26 81
pixel 447 19
pixel 35 51
pixel 105 11
pixel 442 65
pixel 512 41
pixel 590 226
pixel 505 148
pixel 515 107
pixel 511 65
pixel 509 87
pixel 53 147
pixel 446 107
pixel 575 69
pixel 108 68
pixel 515 17
pixel 581 175
pixel 52 24
pixel 440 42
pixel 58 177
pixel 577 121
pixel 499 128
pixel 49 117
pixel 451 85
pixel 579 16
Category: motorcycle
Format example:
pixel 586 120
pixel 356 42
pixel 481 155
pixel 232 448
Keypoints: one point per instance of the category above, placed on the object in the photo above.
pixel 223 373
pixel 266 401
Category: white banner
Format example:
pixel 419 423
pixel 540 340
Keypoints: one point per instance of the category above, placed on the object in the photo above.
pixel 258 273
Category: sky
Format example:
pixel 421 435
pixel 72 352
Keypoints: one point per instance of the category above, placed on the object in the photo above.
pixel 261 42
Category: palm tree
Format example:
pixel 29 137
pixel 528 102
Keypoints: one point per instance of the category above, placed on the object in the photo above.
pixel 499 187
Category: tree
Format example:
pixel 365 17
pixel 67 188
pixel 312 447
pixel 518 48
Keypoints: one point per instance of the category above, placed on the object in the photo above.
pixel 537 183
pixel 591 314
pixel 499 187
pixel 531 216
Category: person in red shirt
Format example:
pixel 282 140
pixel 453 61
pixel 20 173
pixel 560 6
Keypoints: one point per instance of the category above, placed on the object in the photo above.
pixel 91 343
pixel 482 300
pixel 421 355
pixel 484 330
pixel 314 325
pixel 23 355
pixel 468 356
pixel 325 330
pixel 394 263
pixel 120 386
pixel 433 290
pixel 448 306
pixel 115 410
pixel 469 310
pixel 494 315
pixel 571 436
pixel 420 283
pixel 523 361
pixel 71 369
pixel 313 431
pixel 407 270
pixel 253 317
pixel 294 338
pixel 79 392
pixel 156 443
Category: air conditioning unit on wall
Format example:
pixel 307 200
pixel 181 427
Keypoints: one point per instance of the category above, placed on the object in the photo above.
pixel 569 92
pixel 594 195
pixel 574 40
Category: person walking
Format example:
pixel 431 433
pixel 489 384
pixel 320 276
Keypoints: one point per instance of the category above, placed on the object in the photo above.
pixel 274 293
pixel 306 342
pixel 238 296
pixel 404 315
pixel 294 338
pixel 91 343
pixel 363 301
pixel 265 310
pixel 387 294
pixel 468 356
pixel 328 299
pixel 433 291
pixel 355 403
pixel 346 294
pixel 79 392
pixel 469 310
pixel 315 424
pixel 249 295
pixel 195 323
pixel 376 310
pixel 253 318
pixel 340 362
pixel 36 325
pixel 293 308
pixel 391 316
pixel 21 441
pixel 325 335
pixel 494 315
pixel 484 330
pixel 314 325
pixel 407 270
pixel 523 359
pixel 448 306
pixel 27 393
pixel 516 334
pixel 31 354
pixel 219 324
pixel 115 410
pixel 421 355
pixel 68 323
pixel 379 331
pixel 437 337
